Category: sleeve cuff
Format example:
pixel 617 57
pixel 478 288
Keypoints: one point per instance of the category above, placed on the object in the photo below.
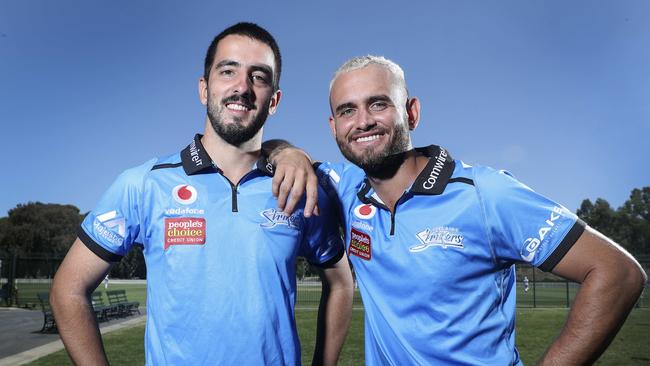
pixel 562 249
pixel 100 251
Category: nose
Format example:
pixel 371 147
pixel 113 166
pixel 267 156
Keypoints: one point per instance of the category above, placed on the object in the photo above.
pixel 364 120
pixel 242 84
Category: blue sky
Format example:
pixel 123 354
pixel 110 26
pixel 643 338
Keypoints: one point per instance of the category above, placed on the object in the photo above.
pixel 556 92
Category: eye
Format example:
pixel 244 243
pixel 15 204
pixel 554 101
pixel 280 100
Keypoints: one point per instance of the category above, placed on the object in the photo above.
pixel 378 106
pixel 347 112
pixel 260 78
pixel 227 72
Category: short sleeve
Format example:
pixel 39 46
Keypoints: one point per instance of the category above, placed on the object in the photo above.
pixel 522 225
pixel 113 226
pixel 322 243
pixel 337 179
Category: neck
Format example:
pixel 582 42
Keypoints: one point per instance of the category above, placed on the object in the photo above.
pixel 391 188
pixel 234 161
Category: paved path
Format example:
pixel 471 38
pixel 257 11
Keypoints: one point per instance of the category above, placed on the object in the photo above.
pixel 21 340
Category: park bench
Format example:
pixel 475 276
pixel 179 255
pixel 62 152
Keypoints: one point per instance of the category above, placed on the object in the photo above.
pixel 48 318
pixel 102 310
pixel 126 307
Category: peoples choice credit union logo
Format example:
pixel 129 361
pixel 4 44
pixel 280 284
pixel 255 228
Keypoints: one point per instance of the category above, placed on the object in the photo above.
pixel 184 231
pixel 359 244
pixel 184 194
pixel 365 211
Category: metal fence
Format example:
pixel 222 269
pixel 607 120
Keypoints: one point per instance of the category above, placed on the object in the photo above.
pixel 22 278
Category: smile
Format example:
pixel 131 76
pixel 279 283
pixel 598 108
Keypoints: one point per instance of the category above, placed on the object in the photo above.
pixel 367 138
pixel 237 107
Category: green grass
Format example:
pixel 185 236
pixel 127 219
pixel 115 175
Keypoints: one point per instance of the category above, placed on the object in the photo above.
pixel 536 328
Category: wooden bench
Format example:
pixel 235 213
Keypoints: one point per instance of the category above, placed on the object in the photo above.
pixel 48 318
pixel 118 298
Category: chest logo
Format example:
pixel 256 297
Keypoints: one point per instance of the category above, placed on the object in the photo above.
pixel 184 194
pixel 365 211
pixel 184 231
pixel 440 236
pixel 360 244
pixel 274 218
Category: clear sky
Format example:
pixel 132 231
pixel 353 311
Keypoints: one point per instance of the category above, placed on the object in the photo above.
pixel 556 92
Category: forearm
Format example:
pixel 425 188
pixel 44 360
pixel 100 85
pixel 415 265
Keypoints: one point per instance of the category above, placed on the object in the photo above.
pixel 598 312
pixel 78 327
pixel 334 316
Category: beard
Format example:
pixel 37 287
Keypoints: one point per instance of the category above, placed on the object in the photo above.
pixel 384 163
pixel 236 133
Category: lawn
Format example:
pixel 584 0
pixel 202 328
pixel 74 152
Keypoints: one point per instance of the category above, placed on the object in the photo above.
pixel 536 328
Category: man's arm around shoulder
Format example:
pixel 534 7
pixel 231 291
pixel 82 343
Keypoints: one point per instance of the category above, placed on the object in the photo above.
pixel 334 312
pixel 611 283
pixel 77 277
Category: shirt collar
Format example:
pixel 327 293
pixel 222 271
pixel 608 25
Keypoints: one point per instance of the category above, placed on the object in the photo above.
pixel 432 180
pixel 195 160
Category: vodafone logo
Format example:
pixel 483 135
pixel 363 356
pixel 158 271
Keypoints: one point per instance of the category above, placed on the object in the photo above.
pixel 184 194
pixel 365 211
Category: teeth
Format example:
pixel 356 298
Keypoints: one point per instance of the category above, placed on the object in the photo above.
pixel 236 107
pixel 367 138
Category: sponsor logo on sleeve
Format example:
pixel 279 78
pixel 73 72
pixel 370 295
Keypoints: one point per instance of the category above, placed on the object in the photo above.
pixel 441 236
pixel 360 244
pixel 546 231
pixel 110 226
pixel 184 231
pixel 274 217
pixel 365 211
pixel 184 194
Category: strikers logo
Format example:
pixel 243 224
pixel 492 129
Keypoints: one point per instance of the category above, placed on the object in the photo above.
pixel 184 194
pixel 359 244
pixel 184 231
pixel 111 226
pixel 365 211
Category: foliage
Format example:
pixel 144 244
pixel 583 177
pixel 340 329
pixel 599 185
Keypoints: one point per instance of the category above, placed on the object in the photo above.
pixel 629 225
pixel 35 227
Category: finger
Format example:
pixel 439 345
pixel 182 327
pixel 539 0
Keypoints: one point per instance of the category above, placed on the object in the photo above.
pixel 278 176
pixel 297 191
pixel 316 210
pixel 312 195
pixel 285 188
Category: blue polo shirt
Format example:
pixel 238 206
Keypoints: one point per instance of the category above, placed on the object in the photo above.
pixel 221 282
pixel 437 277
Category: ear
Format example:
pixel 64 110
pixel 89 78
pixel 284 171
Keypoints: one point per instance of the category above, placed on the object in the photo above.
pixel 275 100
pixel 413 112
pixel 203 90
pixel 332 124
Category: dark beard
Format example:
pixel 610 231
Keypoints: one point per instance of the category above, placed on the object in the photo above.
pixel 235 133
pixel 382 164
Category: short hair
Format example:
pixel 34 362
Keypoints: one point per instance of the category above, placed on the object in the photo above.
pixel 360 62
pixel 250 30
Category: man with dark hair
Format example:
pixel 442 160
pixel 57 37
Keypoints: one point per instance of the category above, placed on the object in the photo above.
pixel 433 240
pixel 221 282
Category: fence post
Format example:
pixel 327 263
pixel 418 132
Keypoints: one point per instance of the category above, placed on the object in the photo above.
pixel 568 304
pixel 534 289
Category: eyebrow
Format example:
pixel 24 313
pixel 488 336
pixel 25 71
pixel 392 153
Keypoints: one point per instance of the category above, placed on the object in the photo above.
pixel 344 106
pixel 227 63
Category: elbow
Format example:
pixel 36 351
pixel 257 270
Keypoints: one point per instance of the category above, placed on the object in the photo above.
pixel 632 278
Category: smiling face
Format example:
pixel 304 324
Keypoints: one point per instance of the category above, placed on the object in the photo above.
pixel 371 116
pixel 239 93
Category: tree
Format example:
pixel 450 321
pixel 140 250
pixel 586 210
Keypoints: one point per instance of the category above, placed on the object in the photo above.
pixel 629 225
pixel 40 229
